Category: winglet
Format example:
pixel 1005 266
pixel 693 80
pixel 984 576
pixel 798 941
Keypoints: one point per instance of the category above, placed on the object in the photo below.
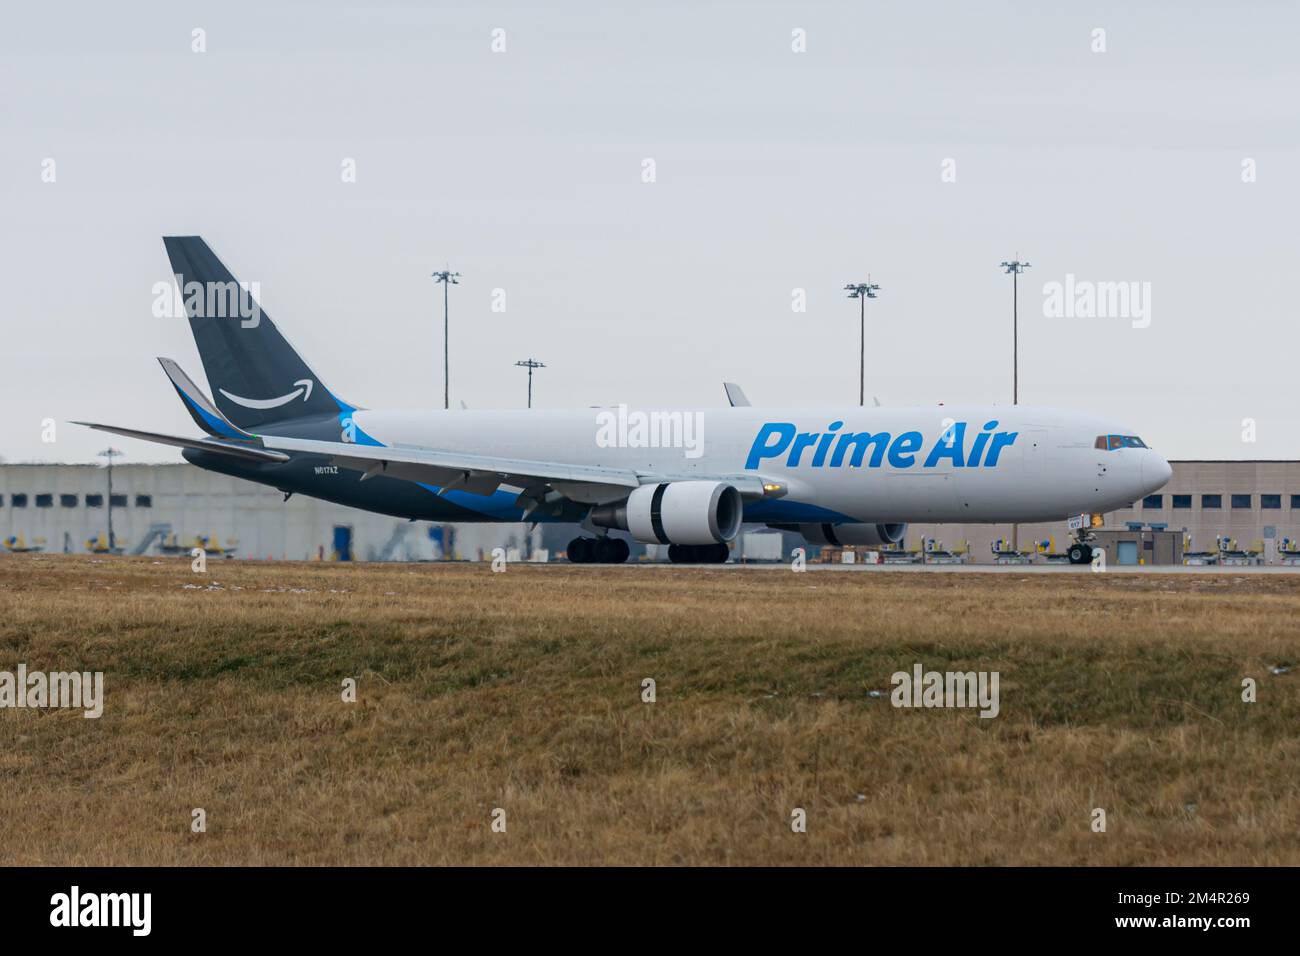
pixel 736 395
pixel 200 407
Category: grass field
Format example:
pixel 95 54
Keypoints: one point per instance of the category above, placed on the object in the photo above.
pixel 522 691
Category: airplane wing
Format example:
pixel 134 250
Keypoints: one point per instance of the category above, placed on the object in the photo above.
pixel 249 452
pixel 457 471
pixel 481 474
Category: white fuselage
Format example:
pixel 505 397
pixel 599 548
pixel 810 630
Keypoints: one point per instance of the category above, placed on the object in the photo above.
pixel 898 464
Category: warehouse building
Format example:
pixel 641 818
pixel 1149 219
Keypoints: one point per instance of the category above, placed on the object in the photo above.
pixel 159 509
pixel 1246 511
pixel 1249 511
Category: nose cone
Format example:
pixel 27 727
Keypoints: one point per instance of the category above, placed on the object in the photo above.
pixel 1155 472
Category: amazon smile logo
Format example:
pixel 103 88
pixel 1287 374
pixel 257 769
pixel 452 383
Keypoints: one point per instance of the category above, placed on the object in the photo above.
pixel 304 389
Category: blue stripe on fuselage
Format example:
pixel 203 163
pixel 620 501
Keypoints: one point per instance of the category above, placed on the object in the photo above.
pixel 216 424
pixel 500 504
pixel 783 510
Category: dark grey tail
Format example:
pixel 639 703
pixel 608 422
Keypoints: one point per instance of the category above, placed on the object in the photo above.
pixel 255 375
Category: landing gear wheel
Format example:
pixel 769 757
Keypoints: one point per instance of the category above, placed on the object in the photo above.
pixel 581 550
pixel 611 550
pixel 698 553
pixel 598 551
pixel 1080 554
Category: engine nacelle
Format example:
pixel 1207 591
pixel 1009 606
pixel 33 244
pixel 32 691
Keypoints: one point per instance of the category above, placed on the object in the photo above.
pixel 844 535
pixel 676 512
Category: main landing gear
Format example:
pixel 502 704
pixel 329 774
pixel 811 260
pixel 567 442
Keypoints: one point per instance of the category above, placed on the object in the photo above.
pixel 698 553
pixel 598 551
pixel 616 551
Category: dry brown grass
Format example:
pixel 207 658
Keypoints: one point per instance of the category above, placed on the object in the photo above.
pixel 522 690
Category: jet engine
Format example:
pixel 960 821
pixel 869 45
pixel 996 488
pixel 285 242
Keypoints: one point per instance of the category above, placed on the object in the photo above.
pixel 843 535
pixel 676 512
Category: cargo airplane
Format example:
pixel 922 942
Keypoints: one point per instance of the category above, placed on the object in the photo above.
pixel 687 479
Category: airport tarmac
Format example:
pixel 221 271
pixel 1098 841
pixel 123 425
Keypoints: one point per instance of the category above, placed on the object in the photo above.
pixel 996 568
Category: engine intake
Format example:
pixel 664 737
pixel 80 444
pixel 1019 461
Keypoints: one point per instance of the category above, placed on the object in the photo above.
pixel 676 512
pixel 843 535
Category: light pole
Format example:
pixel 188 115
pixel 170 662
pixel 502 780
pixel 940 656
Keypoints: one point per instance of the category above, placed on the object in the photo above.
pixel 447 278
pixel 110 454
pixel 862 291
pixel 1015 267
pixel 530 364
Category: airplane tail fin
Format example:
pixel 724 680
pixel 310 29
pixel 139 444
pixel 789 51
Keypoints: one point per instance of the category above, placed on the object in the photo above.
pixel 255 375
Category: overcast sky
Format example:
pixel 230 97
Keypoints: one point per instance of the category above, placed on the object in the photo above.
pixel 775 170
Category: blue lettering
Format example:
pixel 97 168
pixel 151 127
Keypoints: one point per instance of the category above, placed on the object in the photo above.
pixel 899 451
pixel 801 441
pixel 950 445
pixel 859 441
pixel 977 447
pixel 819 458
pixel 775 439
pixel 784 434
pixel 1000 441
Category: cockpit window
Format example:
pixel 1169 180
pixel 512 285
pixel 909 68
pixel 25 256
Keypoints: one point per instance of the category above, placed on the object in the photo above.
pixel 1111 442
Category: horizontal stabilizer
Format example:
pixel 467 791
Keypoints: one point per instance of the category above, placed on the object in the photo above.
pixel 249 452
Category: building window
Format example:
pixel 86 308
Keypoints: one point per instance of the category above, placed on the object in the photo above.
pixel 1270 501
pixel 1241 501
pixel 17 501
pixel 144 501
pixel 118 501
pixel 45 501
pixel 1153 501
pixel 1295 501
pixel 1182 501
pixel 94 501
pixel 68 501
pixel 1211 501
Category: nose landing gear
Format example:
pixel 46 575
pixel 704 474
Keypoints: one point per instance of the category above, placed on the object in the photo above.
pixel 1080 553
